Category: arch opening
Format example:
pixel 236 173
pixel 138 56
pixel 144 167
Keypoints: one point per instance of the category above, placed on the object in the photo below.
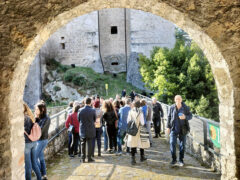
pixel 218 64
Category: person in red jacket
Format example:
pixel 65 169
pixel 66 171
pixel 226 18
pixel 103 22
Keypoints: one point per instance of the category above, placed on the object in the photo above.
pixel 73 120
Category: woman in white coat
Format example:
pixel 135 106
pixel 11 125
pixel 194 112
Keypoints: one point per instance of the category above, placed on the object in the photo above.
pixel 141 140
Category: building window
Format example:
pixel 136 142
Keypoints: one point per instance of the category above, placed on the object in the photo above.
pixel 114 63
pixel 63 45
pixel 114 30
pixel 62 37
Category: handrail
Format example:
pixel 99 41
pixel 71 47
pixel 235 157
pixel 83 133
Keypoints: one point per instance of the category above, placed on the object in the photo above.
pixel 58 114
pixel 204 120
pixel 57 125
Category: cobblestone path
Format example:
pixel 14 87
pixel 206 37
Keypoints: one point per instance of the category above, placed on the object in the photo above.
pixel 110 166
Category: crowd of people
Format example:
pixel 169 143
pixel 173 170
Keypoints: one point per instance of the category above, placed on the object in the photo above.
pixel 109 118
pixel 89 120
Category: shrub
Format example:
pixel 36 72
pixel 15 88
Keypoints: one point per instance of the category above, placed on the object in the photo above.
pixel 62 69
pixel 46 97
pixel 79 80
pixel 52 64
pixel 68 76
pixel 56 88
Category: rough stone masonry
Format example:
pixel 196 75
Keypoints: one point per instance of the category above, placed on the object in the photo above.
pixel 25 26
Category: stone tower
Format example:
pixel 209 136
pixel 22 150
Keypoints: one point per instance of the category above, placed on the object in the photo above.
pixel 114 35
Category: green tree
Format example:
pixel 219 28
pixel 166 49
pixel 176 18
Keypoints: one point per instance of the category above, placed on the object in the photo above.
pixel 182 70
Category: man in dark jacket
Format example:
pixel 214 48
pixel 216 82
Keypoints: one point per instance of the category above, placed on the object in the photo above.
pixel 124 93
pixel 178 127
pixel 87 118
pixel 157 115
pixel 132 95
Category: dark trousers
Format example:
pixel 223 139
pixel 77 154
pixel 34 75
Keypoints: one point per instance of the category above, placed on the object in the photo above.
pixel 173 143
pixel 134 150
pixel 73 143
pixel 157 125
pixel 87 141
pixel 98 138
pixel 112 137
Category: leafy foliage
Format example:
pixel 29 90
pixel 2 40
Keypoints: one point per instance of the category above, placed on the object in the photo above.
pixel 182 70
pixel 79 81
pixel 68 76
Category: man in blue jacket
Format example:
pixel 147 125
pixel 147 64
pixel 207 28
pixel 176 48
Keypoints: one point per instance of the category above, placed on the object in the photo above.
pixel 87 118
pixel 178 127
pixel 122 124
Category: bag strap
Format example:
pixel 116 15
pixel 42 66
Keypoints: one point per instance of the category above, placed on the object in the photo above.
pixel 71 119
pixel 139 119
pixel 26 133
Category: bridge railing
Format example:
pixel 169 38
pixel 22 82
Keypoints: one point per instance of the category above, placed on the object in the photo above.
pixel 199 128
pixel 56 121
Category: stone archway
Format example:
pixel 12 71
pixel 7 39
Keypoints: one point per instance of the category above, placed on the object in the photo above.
pixel 214 26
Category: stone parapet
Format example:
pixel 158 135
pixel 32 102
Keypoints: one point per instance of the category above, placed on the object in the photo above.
pixel 57 143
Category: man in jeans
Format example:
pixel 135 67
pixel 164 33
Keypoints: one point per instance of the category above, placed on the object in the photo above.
pixel 122 124
pixel 177 127
pixel 87 119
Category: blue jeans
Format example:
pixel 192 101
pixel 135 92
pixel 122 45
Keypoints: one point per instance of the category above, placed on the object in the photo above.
pixel 98 138
pixel 120 136
pixel 149 131
pixel 41 145
pixel 105 136
pixel 31 161
pixel 173 142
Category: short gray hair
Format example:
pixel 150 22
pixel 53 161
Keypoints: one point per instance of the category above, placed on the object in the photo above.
pixel 128 101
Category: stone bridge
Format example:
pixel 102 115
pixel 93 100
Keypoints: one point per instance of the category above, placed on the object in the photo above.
pixel 110 166
pixel 25 26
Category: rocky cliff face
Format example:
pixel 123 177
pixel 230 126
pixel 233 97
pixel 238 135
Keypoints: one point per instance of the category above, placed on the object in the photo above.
pixel 133 75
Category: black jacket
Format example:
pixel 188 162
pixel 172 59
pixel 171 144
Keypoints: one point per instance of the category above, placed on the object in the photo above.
pixel 87 118
pixel 28 124
pixel 157 110
pixel 109 118
pixel 44 123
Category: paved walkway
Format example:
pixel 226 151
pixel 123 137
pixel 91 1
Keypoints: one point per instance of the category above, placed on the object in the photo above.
pixel 110 166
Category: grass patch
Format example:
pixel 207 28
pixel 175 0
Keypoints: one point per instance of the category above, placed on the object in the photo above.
pixel 98 81
pixel 85 79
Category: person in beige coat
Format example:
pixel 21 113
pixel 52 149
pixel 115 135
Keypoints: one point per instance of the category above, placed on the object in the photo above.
pixel 141 140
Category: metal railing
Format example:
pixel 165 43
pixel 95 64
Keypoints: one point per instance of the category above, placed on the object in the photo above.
pixel 56 121
pixel 204 128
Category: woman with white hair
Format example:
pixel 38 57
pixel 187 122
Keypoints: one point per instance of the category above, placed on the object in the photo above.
pixel 140 140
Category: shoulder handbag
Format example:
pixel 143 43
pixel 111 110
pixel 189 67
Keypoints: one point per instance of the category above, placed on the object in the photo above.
pixel 35 133
pixel 132 128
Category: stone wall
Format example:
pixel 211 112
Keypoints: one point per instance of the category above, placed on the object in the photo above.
pixel 56 144
pixel 133 74
pixel 148 31
pixel 76 43
pixel 25 26
pixel 33 86
pixel 206 157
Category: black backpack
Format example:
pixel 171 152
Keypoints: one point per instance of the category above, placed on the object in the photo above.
pixel 132 128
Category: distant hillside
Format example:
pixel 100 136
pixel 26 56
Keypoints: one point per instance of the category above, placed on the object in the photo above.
pixel 63 83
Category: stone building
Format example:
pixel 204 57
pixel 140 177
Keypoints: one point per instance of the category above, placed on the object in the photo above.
pixel 108 40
